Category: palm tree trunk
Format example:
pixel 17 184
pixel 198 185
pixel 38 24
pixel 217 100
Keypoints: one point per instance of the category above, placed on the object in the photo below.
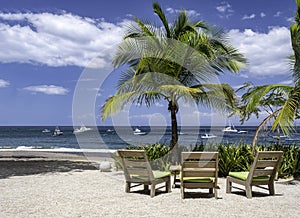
pixel 260 127
pixel 173 109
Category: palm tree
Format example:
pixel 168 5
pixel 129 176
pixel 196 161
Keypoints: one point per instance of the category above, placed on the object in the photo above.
pixel 289 110
pixel 173 62
pixel 267 98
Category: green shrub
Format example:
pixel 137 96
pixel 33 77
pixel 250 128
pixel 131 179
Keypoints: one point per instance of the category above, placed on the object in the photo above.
pixel 290 162
pixel 232 157
pixel 158 155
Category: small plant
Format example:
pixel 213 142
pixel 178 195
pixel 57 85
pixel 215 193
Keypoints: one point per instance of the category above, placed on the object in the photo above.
pixel 234 159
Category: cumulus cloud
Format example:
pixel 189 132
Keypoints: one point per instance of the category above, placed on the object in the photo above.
pixel 57 39
pixel 4 83
pixel 266 52
pixel 47 89
pixel 248 17
pixel 225 9
pixel 287 82
pixel 278 14
pixel 262 14
pixel 190 13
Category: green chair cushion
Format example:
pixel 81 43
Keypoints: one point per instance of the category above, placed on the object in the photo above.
pixel 160 174
pixel 198 179
pixel 244 175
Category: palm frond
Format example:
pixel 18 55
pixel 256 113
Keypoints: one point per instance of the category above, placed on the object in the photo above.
pixel 286 117
pixel 255 95
pixel 157 9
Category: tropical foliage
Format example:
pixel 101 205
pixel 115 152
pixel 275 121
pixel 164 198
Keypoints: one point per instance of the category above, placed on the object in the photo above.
pixel 266 98
pixel 174 62
pixel 232 157
pixel 285 98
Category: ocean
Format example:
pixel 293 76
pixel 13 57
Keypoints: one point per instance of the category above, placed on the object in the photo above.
pixel 108 137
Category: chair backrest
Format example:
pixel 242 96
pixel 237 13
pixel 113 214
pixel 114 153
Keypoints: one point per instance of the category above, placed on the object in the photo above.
pixel 200 164
pixel 135 165
pixel 266 163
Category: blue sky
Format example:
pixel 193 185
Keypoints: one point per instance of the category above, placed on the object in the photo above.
pixel 47 46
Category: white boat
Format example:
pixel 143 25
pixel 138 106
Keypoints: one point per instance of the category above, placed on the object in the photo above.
pixel 281 136
pixel 81 129
pixel 46 131
pixel 137 131
pixel 242 131
pixel 57 132
pixel 208 136
pixel 230 129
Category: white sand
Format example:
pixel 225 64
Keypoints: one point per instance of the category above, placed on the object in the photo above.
pixel 90 193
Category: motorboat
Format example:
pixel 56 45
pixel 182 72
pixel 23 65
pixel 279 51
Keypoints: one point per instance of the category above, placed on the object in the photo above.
pixel 81 129
pixel 137 131
pixel 230 129
pixel 208 136
pixel 46 131
pixel 242 131
pixel 281 136
pixel 57 132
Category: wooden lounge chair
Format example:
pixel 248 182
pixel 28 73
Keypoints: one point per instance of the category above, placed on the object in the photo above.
pixel 199 170
pixel 262 172
pixel 138 170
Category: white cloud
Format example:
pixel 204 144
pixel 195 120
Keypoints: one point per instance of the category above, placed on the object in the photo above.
pixel 4 83
pixel 190 13
pixel 278 13
pixel 287 82
pixel 225 9
pixel 248 17
pixel 57 39
pixel 47 89
pixel 157 104
pixel 262 14
pixel 266 52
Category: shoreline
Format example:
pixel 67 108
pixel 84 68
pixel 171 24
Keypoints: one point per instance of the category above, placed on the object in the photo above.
pixel 94 155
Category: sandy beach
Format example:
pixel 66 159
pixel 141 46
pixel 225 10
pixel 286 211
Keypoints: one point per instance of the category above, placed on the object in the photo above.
pixel 39 187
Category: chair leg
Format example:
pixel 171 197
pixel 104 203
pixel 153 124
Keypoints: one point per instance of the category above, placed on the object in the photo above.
pixel 216 192
pixel 152 191
pixel 127 187
pixel 271 188
pixel 182 191
pixel 211 191
pixel 168 186
pixel 248 191
pixel 146 187
pixel 228 185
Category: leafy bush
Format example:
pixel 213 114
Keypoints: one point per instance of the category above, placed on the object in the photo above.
pixel 158 155
pixel 232 157
pixel 290 162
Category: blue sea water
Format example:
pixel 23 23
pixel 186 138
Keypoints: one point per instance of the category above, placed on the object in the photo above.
pixel 107 137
